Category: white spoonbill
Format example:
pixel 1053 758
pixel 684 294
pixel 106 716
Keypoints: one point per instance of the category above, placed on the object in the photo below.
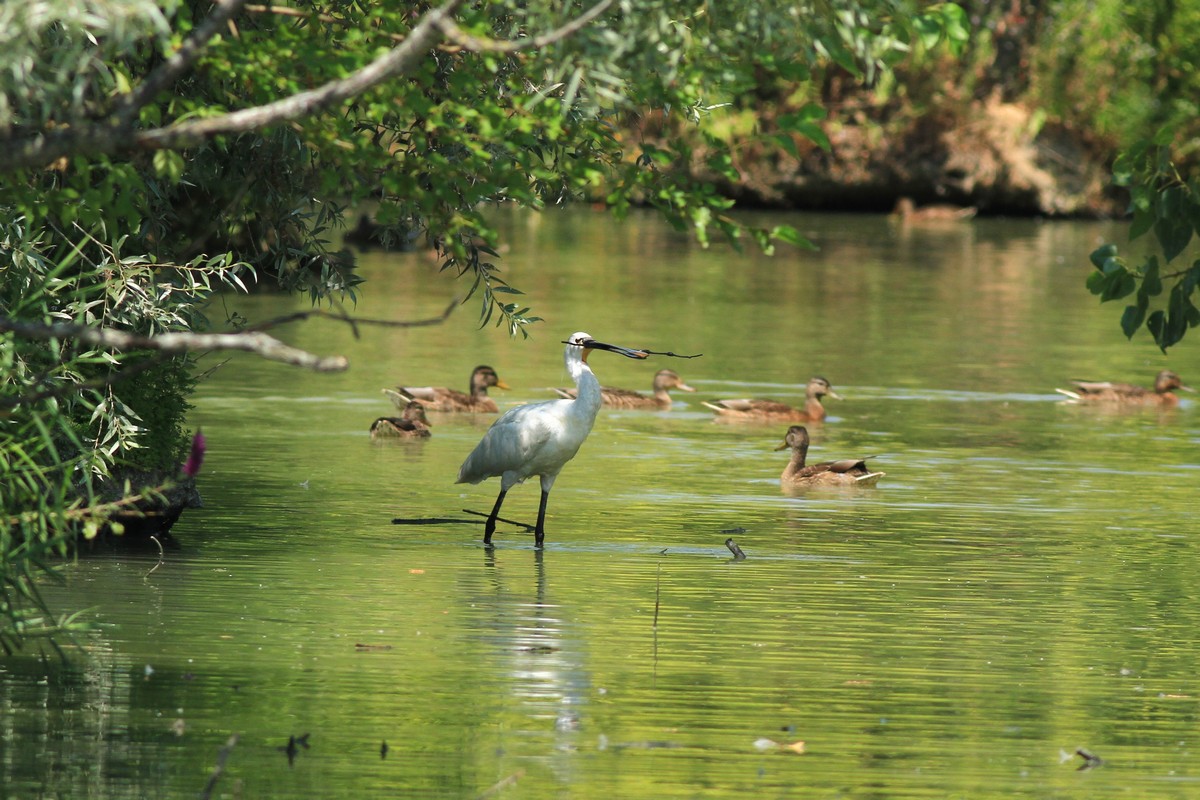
pixel 540 438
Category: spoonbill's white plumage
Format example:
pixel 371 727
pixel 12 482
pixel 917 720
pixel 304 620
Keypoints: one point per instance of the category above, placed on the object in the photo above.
pixel 540 438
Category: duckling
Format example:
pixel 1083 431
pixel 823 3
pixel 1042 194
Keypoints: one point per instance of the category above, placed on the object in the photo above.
pixel 847 472
pixel 664 381
pixel 411 425
pixel 813 411
pixel 907 211
pixel 1127 393
pixel 439 398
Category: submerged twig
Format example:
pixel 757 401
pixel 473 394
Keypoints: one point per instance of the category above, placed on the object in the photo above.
pixel 738 555
pixel 526 526
pixel 657 594
pixel 447 520
pixel 161 556
pixel 219 768
pixel 503 783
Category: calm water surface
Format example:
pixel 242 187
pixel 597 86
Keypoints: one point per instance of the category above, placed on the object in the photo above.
pixel 1022 583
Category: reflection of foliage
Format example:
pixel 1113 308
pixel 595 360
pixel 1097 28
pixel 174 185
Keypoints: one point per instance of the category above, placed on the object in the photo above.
pixel 1167 205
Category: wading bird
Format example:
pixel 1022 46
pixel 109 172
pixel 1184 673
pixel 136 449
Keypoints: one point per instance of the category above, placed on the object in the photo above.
pixel 412 424
pixel 813 411
pixel 847 472
pixel 1127 393
pixel 664 381
pixel 439 398
pixel 540 438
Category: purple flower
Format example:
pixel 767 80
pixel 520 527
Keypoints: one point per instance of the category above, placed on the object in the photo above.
pixel 196 457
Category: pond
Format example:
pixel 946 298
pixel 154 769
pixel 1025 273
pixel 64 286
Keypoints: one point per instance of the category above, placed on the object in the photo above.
pixel 1021 584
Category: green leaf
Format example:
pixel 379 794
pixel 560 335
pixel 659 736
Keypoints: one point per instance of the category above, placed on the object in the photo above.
pixel 1102 254
pixel 168 165
pixel 1156 323
pixel 1151 282
pixel 788 234
pixel 1133 317
pixel 1173 236
pixel 786 141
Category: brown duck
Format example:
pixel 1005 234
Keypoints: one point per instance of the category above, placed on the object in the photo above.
pixel 846 472
pixel 411 425
pixel 1127 393
pixel 439 398
pixel 813 411
pixel 907 211
pixel 664 381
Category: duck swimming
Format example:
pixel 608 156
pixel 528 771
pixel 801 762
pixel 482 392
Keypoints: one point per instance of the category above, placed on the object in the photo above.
pixel 440 398
pixel 413 424
pixel 1128 393
pixel 907 211
pixel 664 381
pixel 846 472
pixel 813 411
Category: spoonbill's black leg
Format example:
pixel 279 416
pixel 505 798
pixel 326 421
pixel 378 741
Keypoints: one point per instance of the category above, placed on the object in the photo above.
pixel 490 527
pixel 539 533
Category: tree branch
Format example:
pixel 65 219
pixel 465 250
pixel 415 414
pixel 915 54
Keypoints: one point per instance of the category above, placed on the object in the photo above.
pixel 395 62
pixel 254 342
pixel 469 42
pixel 170 70
pixel 121 135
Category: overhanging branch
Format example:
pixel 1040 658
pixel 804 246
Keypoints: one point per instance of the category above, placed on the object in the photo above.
pixel 177 342
pixel 120 134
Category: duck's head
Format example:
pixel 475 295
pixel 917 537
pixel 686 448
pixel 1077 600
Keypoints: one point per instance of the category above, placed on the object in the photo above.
pixel 668 379
pixel 820 387
pixel 796 438
pixel 1167 380
pixel 484 376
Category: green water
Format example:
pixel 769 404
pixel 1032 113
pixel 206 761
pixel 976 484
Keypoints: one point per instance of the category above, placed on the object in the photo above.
pixel 1022 583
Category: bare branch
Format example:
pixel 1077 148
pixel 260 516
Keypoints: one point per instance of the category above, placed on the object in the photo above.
pixel 251 340
pixel 254 342
pixel 469 42
pixel 355 321
pixel 171 69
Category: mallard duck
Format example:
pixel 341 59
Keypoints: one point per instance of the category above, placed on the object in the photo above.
pixel 411 425
pixel 907 211
pixel 1127 393
pixel 664 381
pixel 847 472
pixel 439 398
pixel 813 411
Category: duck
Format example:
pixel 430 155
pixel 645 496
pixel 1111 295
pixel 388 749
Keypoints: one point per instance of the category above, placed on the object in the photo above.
pixel 439 398
pixel 664 381
pixel 1128 393
pixel 846 472
pixel 412 424
pixel 540 438
pixel 908 211
pixel 813 411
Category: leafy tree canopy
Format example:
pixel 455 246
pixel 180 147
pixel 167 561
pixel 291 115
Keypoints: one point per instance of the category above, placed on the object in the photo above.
pixel 195 127
pixel 153 151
